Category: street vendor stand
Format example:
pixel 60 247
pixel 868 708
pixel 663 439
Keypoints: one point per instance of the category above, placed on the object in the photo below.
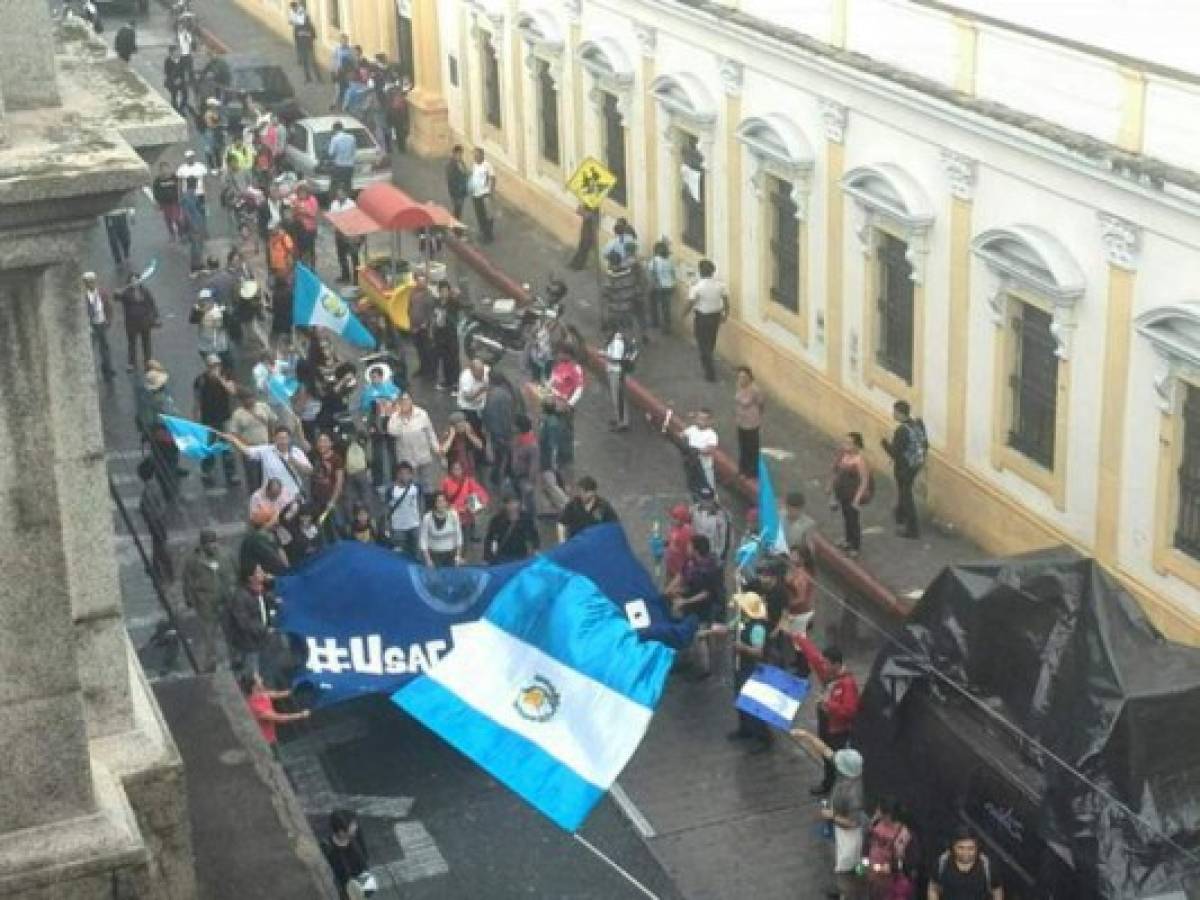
pixel 385 278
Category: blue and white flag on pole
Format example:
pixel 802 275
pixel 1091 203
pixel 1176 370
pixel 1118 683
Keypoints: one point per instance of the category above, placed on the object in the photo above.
pixel 771 537
pixel 772 695
pixel 193 439
pixel 315 304
pixel 550 692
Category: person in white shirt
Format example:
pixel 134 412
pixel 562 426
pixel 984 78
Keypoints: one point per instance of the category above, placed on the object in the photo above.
pixel 708 300
pixel 472 397
pixel 99 311
pixel 702 440
pixel 279 459
pixel 414 440
pixel 482 185
pixel 614 367
pixel 193 168
pixel 404 503
pixel 347 247
pixel 440 537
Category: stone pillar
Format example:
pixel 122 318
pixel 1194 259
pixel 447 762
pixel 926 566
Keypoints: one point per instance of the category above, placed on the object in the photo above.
pixel 46 774
pixel 732 77
pixel 430 114
pixel 91 794
pixel 960 172
pixel 833 117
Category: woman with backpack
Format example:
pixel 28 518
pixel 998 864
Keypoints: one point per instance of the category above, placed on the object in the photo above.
pixel 851 486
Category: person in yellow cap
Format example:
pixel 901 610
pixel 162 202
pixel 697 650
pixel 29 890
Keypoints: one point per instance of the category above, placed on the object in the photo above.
pixel 749 648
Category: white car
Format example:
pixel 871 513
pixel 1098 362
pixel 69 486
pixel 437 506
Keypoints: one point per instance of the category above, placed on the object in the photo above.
pixel 308 144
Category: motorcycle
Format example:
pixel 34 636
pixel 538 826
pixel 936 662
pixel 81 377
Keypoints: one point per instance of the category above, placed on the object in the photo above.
pixel 490 327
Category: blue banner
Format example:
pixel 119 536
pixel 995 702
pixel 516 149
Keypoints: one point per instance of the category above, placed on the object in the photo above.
pixel 367 620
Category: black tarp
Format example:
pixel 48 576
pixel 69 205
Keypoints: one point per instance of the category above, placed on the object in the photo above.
pixel 1049 644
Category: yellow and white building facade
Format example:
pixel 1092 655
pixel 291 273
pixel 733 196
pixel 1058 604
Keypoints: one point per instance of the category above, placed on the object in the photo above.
pixel 989 209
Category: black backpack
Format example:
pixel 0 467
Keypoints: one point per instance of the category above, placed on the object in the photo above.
pixel 917 447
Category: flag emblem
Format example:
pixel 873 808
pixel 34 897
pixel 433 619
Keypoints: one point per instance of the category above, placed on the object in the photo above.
pixel 538 701
pixel 334 305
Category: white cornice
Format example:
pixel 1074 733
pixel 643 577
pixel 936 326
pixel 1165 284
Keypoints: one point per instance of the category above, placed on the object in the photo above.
pixel 769 52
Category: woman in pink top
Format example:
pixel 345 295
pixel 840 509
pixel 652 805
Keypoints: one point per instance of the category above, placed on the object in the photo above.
pixel 747 412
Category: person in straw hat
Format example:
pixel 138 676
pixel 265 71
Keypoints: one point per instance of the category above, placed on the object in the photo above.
pixel 749 648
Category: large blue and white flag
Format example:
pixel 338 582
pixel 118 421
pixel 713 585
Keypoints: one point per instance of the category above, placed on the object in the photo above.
pixel 550 692
pixel 365 620
pixel 313 303
pixel 193 439
pixel 772 695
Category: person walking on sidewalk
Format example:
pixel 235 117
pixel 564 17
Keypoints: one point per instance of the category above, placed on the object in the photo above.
pixel 208 583
pixel 117 226
pixel 100 316
pixel 615 350
pixel 589 225
pixel 907 448
pixel 304 35
pixel 125 42
pixel 838 706
pixel 141 316
pixel 342 65
pixel 153 506
pixel 708 301
pixel 165 190
pixel 457 178
pixel 482 186
pixel 851 486
pixel 175 81
pixel 748 406
pixel 195 224
pixel 661 271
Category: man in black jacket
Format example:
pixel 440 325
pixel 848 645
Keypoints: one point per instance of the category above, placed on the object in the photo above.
pixel 125 43
pixel 907 450
pixel 248 621
pixel 511 535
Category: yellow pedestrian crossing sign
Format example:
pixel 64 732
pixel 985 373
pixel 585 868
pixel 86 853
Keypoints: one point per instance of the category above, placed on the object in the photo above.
pixel 591 183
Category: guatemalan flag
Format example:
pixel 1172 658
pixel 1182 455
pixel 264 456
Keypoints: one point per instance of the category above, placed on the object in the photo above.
pixel 315 304
pixel 193 439
pixel 772 695
pixel 550 692
pixel 771 537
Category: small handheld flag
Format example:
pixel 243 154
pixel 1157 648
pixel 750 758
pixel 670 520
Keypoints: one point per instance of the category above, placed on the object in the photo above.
pixel 281 389
pixel 195 441
pixel 772 695
pixel 316 304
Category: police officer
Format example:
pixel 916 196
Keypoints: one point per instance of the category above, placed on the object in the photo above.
pixel 749 648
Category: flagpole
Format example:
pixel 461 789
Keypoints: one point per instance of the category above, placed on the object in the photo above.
pixel 637 884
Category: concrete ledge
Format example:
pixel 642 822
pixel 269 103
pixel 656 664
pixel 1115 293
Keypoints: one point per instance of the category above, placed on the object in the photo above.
pixel 856 577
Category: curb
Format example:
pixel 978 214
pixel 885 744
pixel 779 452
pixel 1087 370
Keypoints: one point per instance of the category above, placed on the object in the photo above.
pixel 861 581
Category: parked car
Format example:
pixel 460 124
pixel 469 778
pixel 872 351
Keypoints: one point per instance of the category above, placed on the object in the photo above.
pixel 308 145
pixel 235 75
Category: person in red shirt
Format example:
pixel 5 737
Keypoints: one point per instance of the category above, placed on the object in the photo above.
pixel 679 538
pixel 838 705
pixel 306 209
pixel 262 706
pixel 556 440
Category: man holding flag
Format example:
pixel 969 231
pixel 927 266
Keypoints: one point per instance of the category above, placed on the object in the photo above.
pixel 315 304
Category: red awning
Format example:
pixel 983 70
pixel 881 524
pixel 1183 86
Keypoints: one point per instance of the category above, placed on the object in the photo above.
pixel 384 207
